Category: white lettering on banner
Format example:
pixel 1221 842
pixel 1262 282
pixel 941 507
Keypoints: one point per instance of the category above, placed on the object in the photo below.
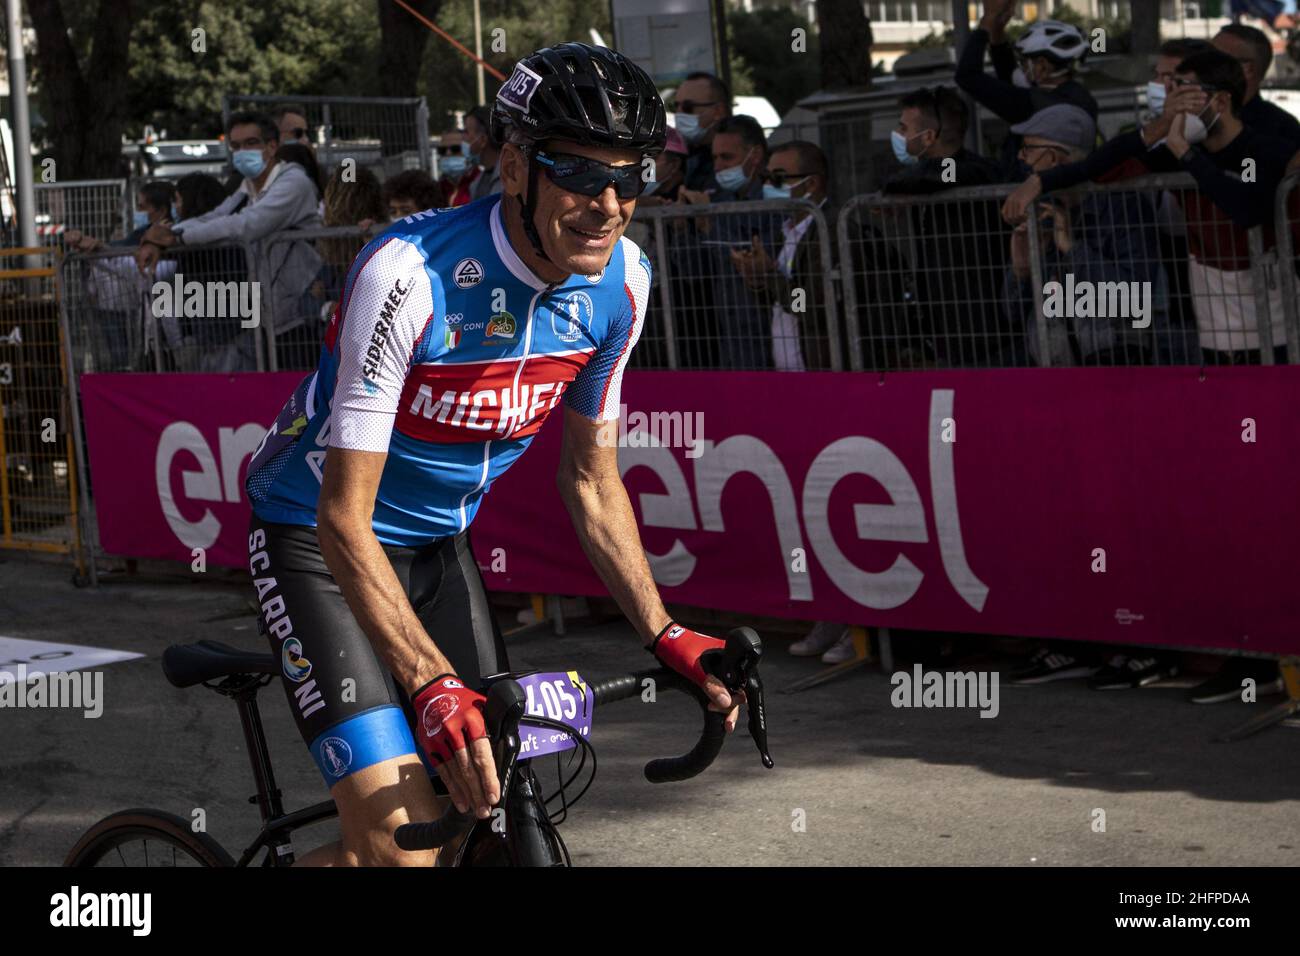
pixel 208 483
pixel 901 520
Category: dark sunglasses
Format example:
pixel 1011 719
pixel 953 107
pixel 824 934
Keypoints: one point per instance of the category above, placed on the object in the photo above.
pixel 586 177
pixel 298 132
pixel 779 178
pixel 690 106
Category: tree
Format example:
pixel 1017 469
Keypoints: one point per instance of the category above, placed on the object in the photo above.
pixel 402 42
pixel 1145 17
pixel 845 44
pixel 763 50
pixel 291 47
pixel 83 92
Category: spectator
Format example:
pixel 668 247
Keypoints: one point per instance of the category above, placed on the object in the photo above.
pixel 153 203
pixel 739 159
pixel 275 196
pixel 304 157
pixel 1251 48
pixel 703 101
pixel 484 151
pixel 114 281
pixel 960 246
pixel 358 201
pixel 208 343
pixel 1177 345
pixel 456 175
pixel 1200 131
pixel 670 168
pixel 291 121
pixel 410 192
pixel 1095 238
pixel 670 172
pixel 1048 51
pixel 800 334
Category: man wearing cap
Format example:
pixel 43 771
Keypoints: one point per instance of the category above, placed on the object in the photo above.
pixel 1237 170
pixel 1095 238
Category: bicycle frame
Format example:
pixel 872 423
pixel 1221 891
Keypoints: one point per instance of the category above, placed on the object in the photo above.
pixel 525 841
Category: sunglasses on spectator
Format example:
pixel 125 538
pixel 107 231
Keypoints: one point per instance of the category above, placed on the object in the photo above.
pixel 298 132
pixel 779 178
pixel 690 106
pixel 1204 87
pixel 587 177
pixel 1026 149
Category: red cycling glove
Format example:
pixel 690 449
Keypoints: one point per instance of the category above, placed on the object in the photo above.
pixel 680 649
pixel 448 716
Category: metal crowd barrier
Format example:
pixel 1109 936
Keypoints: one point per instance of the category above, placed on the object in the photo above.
pixel 711 315
pixel 96 207
pixel 200 311
pixel 1144 271
pixel 39 500
pixel 386 134
pixel 1286 221
pixel 1139 272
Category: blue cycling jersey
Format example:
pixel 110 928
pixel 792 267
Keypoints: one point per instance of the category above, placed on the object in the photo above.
pixel 448 353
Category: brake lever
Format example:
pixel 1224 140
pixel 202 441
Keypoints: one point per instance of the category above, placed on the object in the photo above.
pixel 736 665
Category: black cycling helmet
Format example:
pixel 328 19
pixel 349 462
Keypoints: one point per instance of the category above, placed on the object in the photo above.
pixel 583 93
pixel 588 94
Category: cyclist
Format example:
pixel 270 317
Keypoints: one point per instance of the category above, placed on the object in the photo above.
pixel 457 333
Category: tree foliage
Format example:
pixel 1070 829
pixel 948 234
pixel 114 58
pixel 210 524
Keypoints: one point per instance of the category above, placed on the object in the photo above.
pixel 763 52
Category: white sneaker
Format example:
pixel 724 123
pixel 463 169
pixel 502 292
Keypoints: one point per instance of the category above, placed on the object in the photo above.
pixel 819 639
pixel 841 651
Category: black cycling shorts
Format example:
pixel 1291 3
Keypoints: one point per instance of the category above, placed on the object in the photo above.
pixel 349 710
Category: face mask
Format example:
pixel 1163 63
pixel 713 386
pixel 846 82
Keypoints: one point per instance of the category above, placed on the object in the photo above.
pixel 249 163
pixel 1019 79
pixel 1156 97
pixel 1195 130
pixel 688 124
pixel 733 179
pixel 775 192
pixel 899 143
pixel 475 159
pixel 176 216
pixel 453 165
pixel 140 220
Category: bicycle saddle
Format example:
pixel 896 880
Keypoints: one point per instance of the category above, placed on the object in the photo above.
pixel 188 664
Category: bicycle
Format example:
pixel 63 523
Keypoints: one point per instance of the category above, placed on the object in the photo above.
pixel 521 831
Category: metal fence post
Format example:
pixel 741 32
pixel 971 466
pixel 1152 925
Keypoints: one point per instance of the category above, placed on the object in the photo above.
pixel 422 136
pixel 1286 264
pixel 666 292
pixel 848 285
pixel 1259 283
pixel 85 521
pixel 1036 280
pixel 828 286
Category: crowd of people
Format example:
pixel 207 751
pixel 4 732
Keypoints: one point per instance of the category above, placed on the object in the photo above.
pixel 199 226
pixel 748 290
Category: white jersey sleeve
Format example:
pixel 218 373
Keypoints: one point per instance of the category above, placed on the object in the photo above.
pixel 387 308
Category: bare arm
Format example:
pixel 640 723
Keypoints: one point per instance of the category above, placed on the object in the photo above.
pixel 364 574
pixel 593 493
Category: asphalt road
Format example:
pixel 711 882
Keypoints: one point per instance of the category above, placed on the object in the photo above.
pixel 871 784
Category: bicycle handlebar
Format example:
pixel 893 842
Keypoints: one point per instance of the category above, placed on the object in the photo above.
pixel 736 666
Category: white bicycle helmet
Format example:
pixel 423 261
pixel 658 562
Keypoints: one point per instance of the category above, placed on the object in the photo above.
pixel 1059 42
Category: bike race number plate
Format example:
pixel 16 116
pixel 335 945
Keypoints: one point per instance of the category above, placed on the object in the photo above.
pixel 559 695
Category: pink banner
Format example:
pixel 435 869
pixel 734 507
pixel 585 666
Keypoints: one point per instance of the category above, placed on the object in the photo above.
pixel 1148 506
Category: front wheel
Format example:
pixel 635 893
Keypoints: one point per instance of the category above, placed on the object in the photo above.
pixel 146 838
